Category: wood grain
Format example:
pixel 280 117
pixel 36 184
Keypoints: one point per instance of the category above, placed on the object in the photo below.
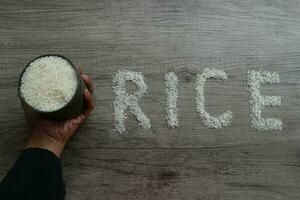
pixel 155 37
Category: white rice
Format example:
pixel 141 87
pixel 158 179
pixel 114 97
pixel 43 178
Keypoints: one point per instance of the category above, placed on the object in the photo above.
pixel 172 95
pixel 124 101
pixel 48 83
pixel 258 102
pixel 220 121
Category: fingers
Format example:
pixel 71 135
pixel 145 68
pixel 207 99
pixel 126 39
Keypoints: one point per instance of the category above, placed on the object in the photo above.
pixel 89 103
pixel 87 80
pixel 89 83
pixel 77 121
pixel 87 96
pixel 89 106
pixel 79 69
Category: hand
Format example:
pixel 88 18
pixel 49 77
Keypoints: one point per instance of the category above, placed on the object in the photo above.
pixel 54 134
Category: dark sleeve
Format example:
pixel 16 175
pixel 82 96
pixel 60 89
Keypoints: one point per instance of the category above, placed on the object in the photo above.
pixel 36 175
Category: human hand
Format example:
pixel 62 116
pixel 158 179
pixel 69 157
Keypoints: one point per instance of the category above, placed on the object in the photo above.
pixel 54 134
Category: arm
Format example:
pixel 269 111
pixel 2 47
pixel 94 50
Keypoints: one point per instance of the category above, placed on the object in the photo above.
pixel 37 172
pixel 35 175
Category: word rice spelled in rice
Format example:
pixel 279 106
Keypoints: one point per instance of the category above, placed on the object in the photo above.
pixel 255 79
pixel 48 83
pixel 123 100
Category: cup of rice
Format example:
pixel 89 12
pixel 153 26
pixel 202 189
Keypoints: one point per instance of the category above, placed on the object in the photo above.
pixel 51 86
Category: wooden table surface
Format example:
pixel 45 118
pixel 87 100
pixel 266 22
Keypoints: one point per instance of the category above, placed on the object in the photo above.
pixel 155 37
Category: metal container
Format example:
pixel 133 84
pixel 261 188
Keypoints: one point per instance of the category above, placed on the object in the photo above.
pixel 72 109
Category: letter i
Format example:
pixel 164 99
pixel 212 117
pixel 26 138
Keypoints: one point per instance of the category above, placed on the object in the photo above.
pixel 172 96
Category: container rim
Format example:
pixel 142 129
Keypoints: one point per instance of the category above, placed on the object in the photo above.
pixel 78 83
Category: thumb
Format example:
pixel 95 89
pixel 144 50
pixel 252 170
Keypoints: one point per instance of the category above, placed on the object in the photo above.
pixel 76 122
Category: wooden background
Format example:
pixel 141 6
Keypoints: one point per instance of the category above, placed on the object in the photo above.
pixel 154 37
